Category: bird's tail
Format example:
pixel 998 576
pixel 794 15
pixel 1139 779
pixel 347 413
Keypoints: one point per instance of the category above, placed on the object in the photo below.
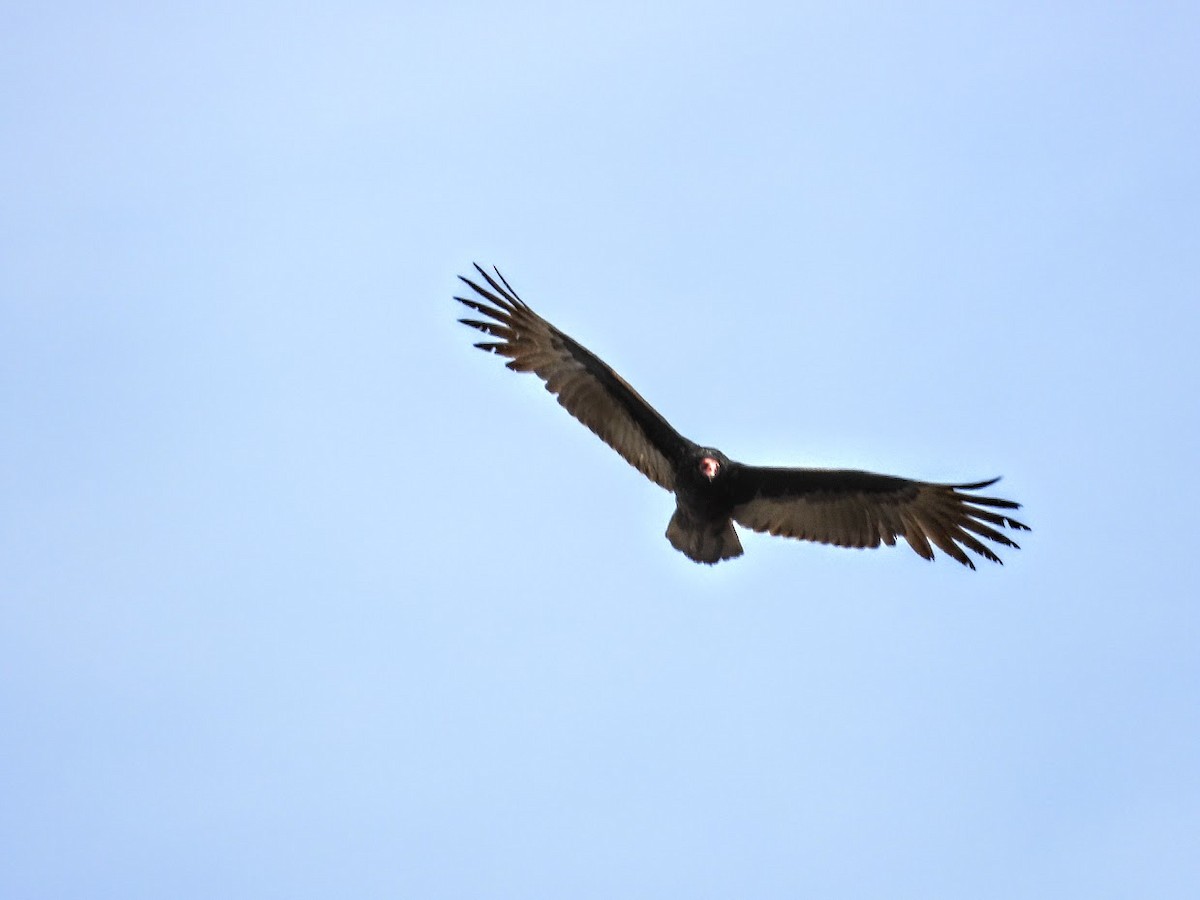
pixel 703 541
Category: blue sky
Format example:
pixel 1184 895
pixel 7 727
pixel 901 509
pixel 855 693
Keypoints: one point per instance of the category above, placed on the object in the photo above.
pixel 301 596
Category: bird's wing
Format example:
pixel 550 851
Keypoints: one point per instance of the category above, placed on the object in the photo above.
pixel 585 386
pixel 860 509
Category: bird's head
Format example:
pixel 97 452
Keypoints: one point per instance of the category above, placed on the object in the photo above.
pixel 710 464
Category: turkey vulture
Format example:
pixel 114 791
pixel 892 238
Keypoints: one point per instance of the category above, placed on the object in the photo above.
pixel 832 506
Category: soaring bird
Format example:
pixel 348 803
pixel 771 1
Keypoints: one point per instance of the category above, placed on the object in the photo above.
pixel 844 507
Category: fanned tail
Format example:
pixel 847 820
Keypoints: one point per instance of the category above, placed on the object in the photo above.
pixel 703 541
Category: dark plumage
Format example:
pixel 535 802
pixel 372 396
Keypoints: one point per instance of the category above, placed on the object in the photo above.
pixel 832 506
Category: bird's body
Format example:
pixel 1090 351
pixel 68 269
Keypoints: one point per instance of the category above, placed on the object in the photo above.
pixel 834 506
pixel 702 527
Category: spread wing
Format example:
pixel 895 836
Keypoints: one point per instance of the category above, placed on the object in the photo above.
pixel 586 387
pixel 860 509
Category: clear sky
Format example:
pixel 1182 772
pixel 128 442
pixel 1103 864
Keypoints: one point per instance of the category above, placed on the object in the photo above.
pixel 301 596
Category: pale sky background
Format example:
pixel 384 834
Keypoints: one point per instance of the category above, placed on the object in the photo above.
pixel 301 596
